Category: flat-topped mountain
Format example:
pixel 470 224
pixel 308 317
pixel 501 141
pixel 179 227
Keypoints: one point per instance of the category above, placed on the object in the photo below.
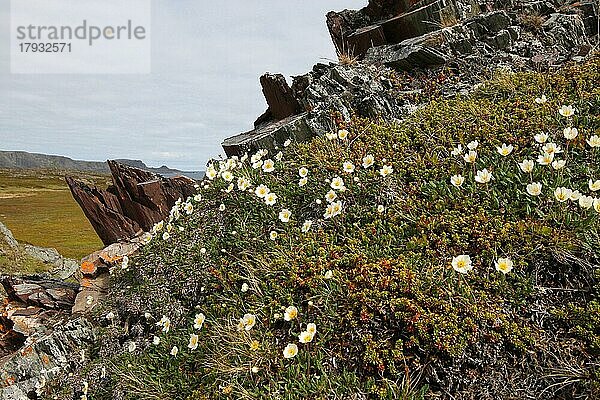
pixel 25 160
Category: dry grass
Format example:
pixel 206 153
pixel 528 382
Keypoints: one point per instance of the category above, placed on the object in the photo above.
pixel 38 208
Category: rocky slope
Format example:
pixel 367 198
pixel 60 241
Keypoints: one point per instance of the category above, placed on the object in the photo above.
pixel 393 319
pixel 394 46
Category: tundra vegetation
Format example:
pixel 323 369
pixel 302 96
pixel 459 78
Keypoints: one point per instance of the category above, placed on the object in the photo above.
pixel 454 253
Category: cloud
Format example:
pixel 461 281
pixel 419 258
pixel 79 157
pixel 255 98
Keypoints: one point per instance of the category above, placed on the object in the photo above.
pixel 207 57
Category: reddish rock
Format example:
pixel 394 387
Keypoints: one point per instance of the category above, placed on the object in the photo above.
pixel 134 203
pixel 279 97
pixel 104 212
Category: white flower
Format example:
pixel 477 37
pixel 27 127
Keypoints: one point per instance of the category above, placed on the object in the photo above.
pixel 290 351
pixel 551 148
pixel 268 165
pixel 575 195
pixel 470 157
pixel 597 205
pixel 541 100
pixel 566 111
pixel 211 172
pixel 284 215
pixel 504 265
pixel 158 226
pixel 305 337
pixel 380 208
pixel 311 328
pixel 457 150
pixel 483 176
pixel 541 137
pixel 570 133
pixel 462 264
pixel 257 164
pixel 287 143
pixel 348 167
pixel 245 287
pixel 256 157
pixel 386 170
pixel 559 164
pixel 243 184
pixel 343 134
pixel 594 185
pixel 227 176
pixel 174 351
pixel 594 141
pixel 248 321
pixel 110 316
pixel 562 194
pixel 193 345
pixel 131 347
pixel 534 189
pixel 270 199
pixel 197 198
pixel 337 183
pixel 222 207
pixel 586 202
pixel 279 156
pixel 505 149
pixel 333 209
pixel 473 145
pixel 302 182
pixel 273 235
pixel 368 161
pixel 199 320
pixel 306 226
pixel 156 340
pixel 457 180
pixel 526 166
pixel 303 172
pixel 189 208
pixel 330 196
pixel 166 236
pixel 261 191
pixel 290 313
pixel 328 274
pixel 545 159
pixel 331 135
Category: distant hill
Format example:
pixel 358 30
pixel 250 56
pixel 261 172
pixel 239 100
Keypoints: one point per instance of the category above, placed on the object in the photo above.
pixel 25 160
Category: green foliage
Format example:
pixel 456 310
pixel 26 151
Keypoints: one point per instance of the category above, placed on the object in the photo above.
pixel 376 281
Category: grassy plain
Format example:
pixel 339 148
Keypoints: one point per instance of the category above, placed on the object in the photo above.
pixel 38 208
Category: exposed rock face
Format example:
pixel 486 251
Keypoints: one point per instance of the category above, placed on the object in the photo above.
pixel 95 270
pixel 134 203
pixel 465 36
pixel 279 96
pixel 43 357
pixel 42 323
pixel 40 292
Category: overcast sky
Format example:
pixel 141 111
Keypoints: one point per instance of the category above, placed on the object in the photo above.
pixel 207 57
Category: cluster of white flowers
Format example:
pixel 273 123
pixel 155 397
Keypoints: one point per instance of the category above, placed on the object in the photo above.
pixel 306 336
pixel 463 264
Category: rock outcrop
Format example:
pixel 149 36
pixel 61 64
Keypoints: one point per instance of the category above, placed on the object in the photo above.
pixel 43 356
pixel 134 203
pixel 463 38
